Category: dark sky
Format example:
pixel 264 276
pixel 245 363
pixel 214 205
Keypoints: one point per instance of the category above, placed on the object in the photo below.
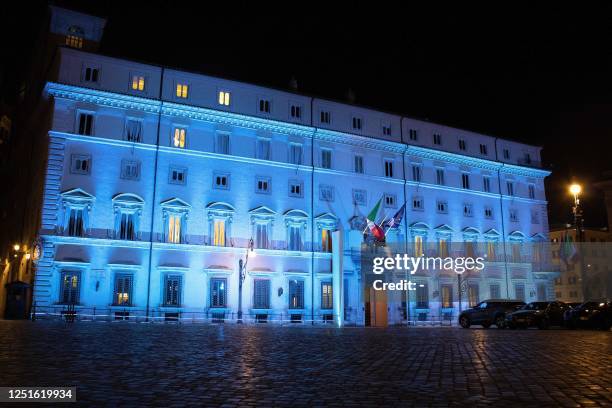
pixel 534 73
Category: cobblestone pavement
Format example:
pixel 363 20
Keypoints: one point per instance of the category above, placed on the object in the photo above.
pixel 127 364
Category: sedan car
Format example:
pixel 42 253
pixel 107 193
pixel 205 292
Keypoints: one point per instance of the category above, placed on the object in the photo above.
pixel 537 314
pixel 592 314
pixel 488 312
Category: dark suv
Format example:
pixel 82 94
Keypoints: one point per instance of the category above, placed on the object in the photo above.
pixel 488 312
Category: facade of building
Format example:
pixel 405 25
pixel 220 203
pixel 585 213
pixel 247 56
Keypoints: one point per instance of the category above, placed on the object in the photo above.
pixel 157 179
pixel 593 275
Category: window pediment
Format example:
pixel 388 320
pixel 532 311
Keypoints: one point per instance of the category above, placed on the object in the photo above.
pixel 538 237
pixel 128 200
pixel 262 214
pixel 219 209
pixel 491 234
pixel 77 195
pixel 327 221
pixel 419 227
pixel 516 236
pixel 443 229
pixel 175 203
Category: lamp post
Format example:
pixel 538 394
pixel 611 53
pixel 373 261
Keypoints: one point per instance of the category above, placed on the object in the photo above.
pixel 242 275
pixel 575 189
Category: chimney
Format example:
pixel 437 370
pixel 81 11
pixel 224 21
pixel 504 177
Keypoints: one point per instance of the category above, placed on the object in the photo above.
pixel 350 95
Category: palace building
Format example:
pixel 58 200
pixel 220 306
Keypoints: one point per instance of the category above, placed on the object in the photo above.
pixel 157 180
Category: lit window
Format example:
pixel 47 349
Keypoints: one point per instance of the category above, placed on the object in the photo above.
pixel 123 290
pixel 174 228
pixel 442 247
pixel 219 232
pixel 74 41
pixel 418 245
pixel 326 240
pixel 224 98
pixel 178 140
pixel 182 90
pixel 447 296
pixel 69 289
pixel 138 83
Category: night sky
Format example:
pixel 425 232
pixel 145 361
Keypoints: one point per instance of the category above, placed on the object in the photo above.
pixel 535 74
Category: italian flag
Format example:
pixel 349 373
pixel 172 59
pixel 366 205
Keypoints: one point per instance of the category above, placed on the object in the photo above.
pixel 378 232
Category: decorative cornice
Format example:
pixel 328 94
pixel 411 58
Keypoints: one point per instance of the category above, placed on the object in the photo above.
pixel 359 141
pixel 454 158
pixel 103 98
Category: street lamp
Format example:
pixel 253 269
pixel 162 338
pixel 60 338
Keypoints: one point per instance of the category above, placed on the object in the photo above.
pixel 242 275
pixel 575 189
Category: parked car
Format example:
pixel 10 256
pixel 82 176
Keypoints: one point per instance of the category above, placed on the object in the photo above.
pixel 538 314
pixel 591 314
pixel 571 305
pixel 488 312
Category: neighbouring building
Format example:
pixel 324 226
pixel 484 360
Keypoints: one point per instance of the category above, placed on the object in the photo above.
pixel 156 180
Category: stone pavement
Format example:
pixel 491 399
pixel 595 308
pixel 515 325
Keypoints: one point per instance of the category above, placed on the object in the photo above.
pixel 137 364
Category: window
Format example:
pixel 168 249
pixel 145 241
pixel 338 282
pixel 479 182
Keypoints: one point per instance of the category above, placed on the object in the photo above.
pixel 127 225
pixel 294 235
pixel 494 291
pixel 486 184
pixel 177 175
pixel 123 290
pixel 221 181
pixel 178 140
pixel 513 215
pixel 296 294
pixel 218 292
pixel 75 225
pixel 447 296
pixel 360 196
pixel 488 212
pixel 483 149
pixel 74 41
pixel 418 246
pixel 359 164
pixel 264 105
pixel 85 123
pixel 442 207
pixel 491 249
pixel 261 294
pixel 296 188
pixel 531 191
pixel 467 210
pixel 70 286
pixel 133 130
pixel 296 111
pixel 437 139
pixel 130 169
pixel 263 149
pixel 219 232
pixel 172 290
pixel 326 158
pixel 261 235
pixel 326 240
pixel 388 168
pixel 390 200
pixel 80 164
pixel 356 123
pixel 510 187
pixel 473 295
pixel 465 180
pixel 386 129
pixel 326 193
pixel 417 203
pixel 223 143
pixel 138 83
pixel 224 98
pixel 519 291
pixel 326 295
pixel 440 177
pixel 174 228
pixel 325 117
pixel 413 135
pixel 295 153
pixel 506 154
pixel 443 247
pixel 535 217
pixel 263 185
pixel 461 144
pixel 91 74
pixel 182 90
pixel 422 296
pixel 416 173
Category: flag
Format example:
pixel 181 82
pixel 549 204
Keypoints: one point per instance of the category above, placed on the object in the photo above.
pixel 395 220
pixel 375 230
pixel 568 251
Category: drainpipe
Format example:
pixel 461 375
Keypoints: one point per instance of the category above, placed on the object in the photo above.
pixel 312 224
pixel 503 228
pixel 151 232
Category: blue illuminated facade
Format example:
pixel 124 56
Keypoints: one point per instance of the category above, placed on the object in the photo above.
pixel 157 179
